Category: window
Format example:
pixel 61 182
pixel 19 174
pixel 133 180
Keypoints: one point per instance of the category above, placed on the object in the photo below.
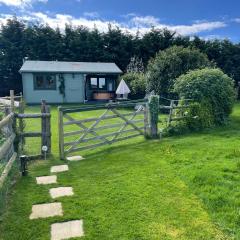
pixel 45 82
pixel 98 83
pixel 101 83
pixel 94 83
pixel 110 86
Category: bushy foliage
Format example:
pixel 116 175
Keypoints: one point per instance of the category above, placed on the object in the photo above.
pixel 212 89
pixel 169 64
pixel 197 117
pixel 136 83
pixel 154 107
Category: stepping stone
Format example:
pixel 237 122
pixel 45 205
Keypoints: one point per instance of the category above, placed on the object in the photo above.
pixel 46 179
pixel 67 230
pixel 59 168
pixel 75 158
pixel 61 191
pixel 46 210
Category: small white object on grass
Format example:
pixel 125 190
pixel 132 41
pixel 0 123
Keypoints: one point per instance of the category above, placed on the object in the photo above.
pixel 44 149
pixel 46 210
pixel 59 168
pixel 67 230
pixel 75 158
pixel 61 192
pixel 46 179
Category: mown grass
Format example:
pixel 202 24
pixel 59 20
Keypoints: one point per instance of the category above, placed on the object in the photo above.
pixel 184 187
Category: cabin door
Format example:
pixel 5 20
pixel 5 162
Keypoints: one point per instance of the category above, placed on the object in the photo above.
pixel 74 85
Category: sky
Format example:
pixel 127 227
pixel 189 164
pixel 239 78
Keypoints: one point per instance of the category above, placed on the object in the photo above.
pixel 208 19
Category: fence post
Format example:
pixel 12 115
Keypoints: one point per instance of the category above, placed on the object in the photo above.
pixel 146 114
pixel 12 100
pixel 46 127
pixel 154 111
pixel 9 130
pixel 170 113
pixel 21 123
pixel 60 133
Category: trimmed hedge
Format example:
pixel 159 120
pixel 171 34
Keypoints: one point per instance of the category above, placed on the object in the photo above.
pixel 212 89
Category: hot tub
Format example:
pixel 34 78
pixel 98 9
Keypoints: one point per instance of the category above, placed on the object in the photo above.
pixel 103 95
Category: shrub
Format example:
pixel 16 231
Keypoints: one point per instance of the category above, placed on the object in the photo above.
pixel 212 89
pixel 169 64
pixel 136 83
pixel 197 117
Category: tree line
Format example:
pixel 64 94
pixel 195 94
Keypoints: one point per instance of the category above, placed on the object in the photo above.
pixel 41 42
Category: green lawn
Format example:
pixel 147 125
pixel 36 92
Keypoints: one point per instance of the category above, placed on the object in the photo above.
pixel 184 187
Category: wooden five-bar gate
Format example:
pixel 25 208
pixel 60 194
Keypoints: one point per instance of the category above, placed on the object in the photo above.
pixel 87 127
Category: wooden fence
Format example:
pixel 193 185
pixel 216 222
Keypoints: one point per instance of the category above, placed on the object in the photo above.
pixel 176 110
pixel 44 134
pixel 13 102
pixel 7 153
pixel 12 127
pixel 116 122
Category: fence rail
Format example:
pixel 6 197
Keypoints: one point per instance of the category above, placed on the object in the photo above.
pixel 175 105
pixel 11 101
pixel 7 154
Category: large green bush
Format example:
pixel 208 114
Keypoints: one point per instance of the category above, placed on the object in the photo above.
pixel 137 84
pixel 169 64
pixel 212 89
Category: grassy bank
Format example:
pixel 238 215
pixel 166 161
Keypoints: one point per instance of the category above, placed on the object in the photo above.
pixel 185 187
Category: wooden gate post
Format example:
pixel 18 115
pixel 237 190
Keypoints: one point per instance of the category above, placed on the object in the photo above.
pixel 154 111
pixel 12 100
pixel 46 126
pixel 21 122
pixel 146 124
pixel 60 133
pixel 170 113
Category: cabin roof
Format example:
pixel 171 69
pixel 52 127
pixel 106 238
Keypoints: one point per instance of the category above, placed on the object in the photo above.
pixel 69 67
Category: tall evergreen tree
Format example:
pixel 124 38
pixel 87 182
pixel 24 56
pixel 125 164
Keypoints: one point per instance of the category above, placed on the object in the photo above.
pixel 41 42
pixel 11 55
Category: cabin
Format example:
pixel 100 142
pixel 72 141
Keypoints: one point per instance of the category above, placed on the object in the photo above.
pixel 68 82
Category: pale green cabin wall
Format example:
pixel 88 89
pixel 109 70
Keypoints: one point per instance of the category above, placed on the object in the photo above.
pixel 74 90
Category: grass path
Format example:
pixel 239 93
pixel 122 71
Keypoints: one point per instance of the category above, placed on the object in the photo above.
pixel 182 188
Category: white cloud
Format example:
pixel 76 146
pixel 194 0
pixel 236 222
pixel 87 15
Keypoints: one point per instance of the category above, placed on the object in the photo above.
pixel 213 37
pixel 197 27
pixel 91 14
pixel 20 3
pixel 133 24
pixel 237 20
pixel 60 20
pixel 147 21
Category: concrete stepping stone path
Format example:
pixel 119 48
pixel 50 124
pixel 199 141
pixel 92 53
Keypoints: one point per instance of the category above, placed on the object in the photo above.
pixel 61 192
pixel 46 179
pixel 64 230
pixel 59 168
pixel 46 210
pixel 67 230
pixel 75 158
